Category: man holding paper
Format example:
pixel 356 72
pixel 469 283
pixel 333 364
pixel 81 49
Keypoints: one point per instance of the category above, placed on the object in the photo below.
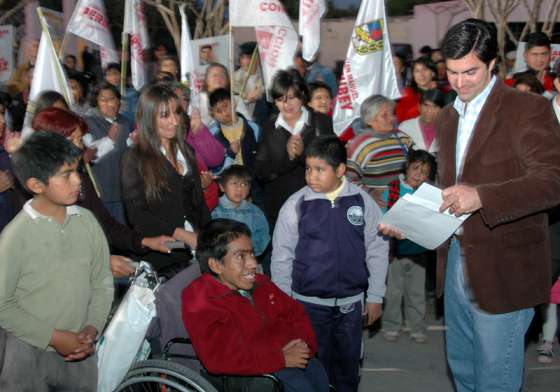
pixel 500 161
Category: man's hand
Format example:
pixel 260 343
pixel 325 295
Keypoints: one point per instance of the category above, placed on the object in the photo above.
pixel 121 267
pixel 87 337
pixel 377 195
pixel 12 142
pixel 67 343
pixel 157 243
pixel 6 180
pixel 296 354
pixel 373 312
pixel 460 199
pixel 206 178
pixel 294 146
pixel 390 231
pixel 89 154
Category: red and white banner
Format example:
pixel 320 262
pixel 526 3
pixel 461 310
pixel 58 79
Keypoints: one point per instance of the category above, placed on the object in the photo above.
pixel 6 52
pixel 135 25
pixel 368 68
pixel 89 21
pixel 277 48
pixel 310 14
pixel 257 13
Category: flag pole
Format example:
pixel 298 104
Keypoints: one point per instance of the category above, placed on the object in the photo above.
pixel 252 65
pixel 231 70
pixel 124 51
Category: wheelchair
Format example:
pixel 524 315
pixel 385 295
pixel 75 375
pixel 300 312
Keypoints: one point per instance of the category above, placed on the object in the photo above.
pixel 173 365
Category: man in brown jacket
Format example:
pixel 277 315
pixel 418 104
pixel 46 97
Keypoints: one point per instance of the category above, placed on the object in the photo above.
pixel 499 160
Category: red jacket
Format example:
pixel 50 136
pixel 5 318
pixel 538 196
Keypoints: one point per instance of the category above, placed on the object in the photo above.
pixel 231 336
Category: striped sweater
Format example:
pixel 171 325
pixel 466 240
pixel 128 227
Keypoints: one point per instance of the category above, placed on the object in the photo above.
pixel 376 159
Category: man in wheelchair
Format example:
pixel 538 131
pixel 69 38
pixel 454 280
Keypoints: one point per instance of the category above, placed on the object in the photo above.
pixel 241 323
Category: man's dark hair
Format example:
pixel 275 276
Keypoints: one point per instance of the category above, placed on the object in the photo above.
pixel 537 39
pixel 42 155
pixel 435 96
pixel 217 96
pixel 426 158
pixel 471 35
pixel 529 79
pixel 329 148
pixel 207 46
pixel 234 171
pixel 284 80
pixel 215 238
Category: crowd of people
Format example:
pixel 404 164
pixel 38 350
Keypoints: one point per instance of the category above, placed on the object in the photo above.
pixel 283 216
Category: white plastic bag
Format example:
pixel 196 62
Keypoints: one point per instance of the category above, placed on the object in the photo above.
pixel 122 339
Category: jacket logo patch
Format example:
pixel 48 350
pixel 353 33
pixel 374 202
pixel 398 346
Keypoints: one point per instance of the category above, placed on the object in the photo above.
pixel 355 215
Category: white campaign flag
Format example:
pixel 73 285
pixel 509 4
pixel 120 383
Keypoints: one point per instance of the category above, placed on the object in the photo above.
pixel 188 67
pixel 89 21
pixel 6 52
pixel 257 13
pixel 368 68
pixel 277 48
pixel 310 13
pixel 135 25
pixel 47 75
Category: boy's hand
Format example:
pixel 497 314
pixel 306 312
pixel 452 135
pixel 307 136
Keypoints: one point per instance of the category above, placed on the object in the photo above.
pixel 121 267
pixel 234 146
pixel 87 337
pixel 67 343
pixel 89 154
pixel 157 243
pixel 296 354
pixel 390 231
pixel 373 312
pixel 12 142
pixel 114 131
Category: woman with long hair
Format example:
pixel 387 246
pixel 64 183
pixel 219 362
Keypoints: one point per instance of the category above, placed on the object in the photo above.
pixel 160 179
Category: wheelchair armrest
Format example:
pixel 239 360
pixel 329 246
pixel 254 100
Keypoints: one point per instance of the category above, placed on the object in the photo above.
pixel 165 352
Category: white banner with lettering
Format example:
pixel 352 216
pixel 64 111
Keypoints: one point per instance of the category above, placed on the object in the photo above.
pixel 310 13
pixel 89 21
pixel 135 25
pixel 368 68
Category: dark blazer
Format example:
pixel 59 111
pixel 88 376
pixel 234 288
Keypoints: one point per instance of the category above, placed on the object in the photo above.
pixel 514 162
pixel 183 200
pixel 279 175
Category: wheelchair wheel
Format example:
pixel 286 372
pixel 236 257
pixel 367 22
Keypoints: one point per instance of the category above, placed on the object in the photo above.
pixel 165 376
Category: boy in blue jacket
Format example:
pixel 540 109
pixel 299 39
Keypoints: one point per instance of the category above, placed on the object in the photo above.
pixel 328 254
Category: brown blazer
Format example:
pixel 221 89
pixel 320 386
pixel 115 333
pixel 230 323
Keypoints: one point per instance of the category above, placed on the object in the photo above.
pixel 514 161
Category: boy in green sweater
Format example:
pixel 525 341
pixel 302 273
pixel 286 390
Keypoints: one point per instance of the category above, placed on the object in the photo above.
pixel 56 287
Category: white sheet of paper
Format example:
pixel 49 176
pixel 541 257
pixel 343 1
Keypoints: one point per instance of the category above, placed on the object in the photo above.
pixel 417 216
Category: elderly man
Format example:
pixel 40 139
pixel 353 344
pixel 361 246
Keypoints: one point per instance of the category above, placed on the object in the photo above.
pixel 500 161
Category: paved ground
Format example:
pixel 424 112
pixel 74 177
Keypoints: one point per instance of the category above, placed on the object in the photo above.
pixel 405 366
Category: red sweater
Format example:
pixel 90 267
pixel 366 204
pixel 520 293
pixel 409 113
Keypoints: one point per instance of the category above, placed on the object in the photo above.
pixel 231 336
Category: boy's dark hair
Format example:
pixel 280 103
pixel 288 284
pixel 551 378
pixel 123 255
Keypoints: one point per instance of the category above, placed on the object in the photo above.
pixel 101 87
pixel 424 157
pixel 215 238
pixel 42 155
pixel 234 171
pixel 537 38
pixel 435 96
pixel 110 66
pixel 471 35
pixel 217 96
pixel 318 85
pixel 329 148
pixel 284 80
pixel 529 79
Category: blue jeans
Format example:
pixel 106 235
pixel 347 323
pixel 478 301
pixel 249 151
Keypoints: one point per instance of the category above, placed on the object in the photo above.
pixel 311 379
pixel 339 334
pixel 485 351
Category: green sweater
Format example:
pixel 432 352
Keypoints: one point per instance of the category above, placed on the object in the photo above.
pixel 53 276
